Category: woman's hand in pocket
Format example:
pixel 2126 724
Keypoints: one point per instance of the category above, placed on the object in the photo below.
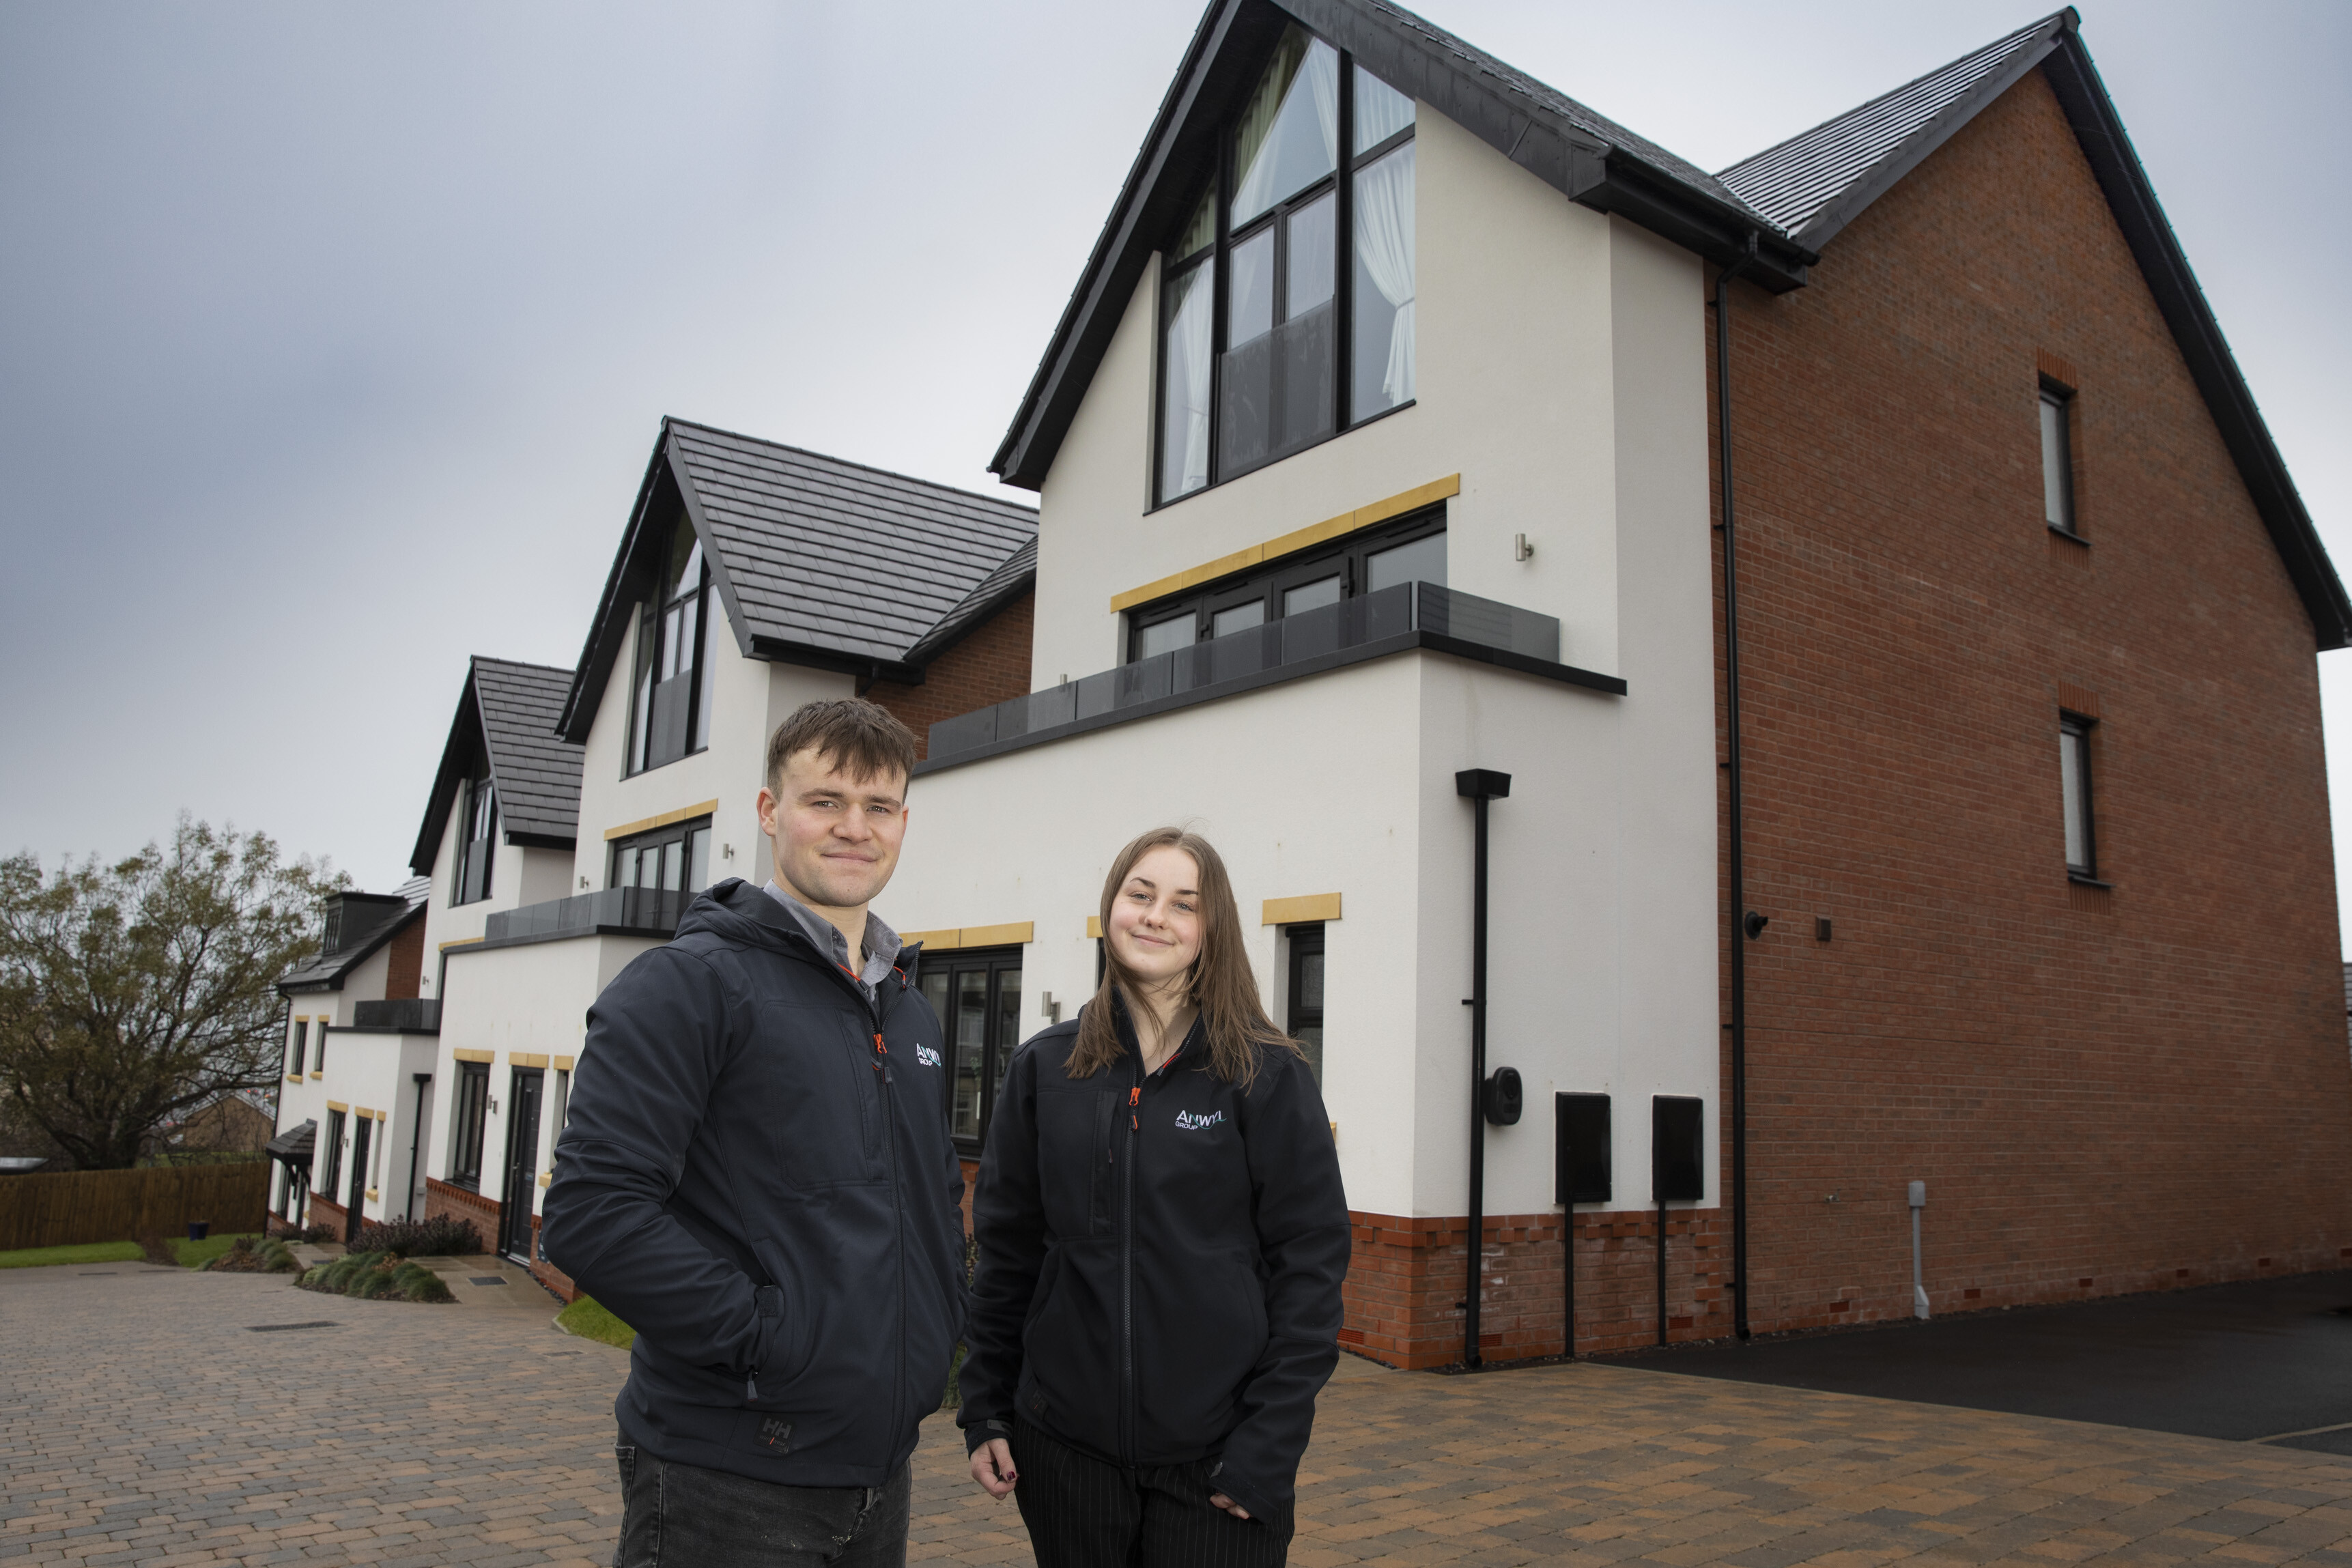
pixel 1229 1505
pixel 992 1467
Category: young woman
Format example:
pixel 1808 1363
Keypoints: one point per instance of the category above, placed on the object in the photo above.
pixel 1162 1241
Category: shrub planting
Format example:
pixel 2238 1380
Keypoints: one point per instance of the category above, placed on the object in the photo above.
pixel 248 1256
pixel 376 1276
pixel 440 1236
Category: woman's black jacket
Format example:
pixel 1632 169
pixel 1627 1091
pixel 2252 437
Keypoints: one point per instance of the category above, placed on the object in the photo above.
pixel 1159 1263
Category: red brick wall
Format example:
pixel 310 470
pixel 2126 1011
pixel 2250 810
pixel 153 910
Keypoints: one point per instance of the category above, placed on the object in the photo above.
pixel 405 954
pixel 1405 1283
pixel 456 1203
pixel 547 1273
pixel 988 666
pixel 2104 1091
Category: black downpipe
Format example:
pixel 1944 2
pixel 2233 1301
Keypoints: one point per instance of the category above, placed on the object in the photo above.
pixel 1481 785
pixel 1740 935
pixel 416 1141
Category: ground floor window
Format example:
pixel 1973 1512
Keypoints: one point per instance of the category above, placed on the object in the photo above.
pixel 977 995
pixel 1305 1022
pixel 473 1099
pixel 333 1154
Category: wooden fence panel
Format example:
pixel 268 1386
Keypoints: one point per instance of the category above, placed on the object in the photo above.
pixel 73 1207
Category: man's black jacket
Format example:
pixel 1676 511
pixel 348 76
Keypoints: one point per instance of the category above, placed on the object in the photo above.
pixel 757 1177
pixel 1159 1263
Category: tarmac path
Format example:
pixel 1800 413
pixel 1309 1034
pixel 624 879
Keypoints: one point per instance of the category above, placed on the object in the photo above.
pixel 142 1421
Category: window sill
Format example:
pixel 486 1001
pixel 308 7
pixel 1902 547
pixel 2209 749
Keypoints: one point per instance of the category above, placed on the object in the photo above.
pixel 1277 462
pixel 2079 880
pixel 2069 535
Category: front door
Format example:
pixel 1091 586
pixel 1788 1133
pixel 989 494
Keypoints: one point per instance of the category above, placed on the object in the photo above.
pixel 522 1164
pixel 356 1214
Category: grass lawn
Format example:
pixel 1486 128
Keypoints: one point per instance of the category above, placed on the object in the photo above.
pixel 192 1254
pixel 589 1320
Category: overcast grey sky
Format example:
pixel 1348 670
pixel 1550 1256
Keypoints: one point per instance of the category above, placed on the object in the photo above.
pixel 333 337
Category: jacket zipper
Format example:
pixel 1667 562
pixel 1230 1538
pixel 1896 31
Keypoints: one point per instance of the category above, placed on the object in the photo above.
pixel 1127 1275
pixel 898 1198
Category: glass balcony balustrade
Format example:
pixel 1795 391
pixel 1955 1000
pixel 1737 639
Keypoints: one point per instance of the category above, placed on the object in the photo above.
pixel 652 910
pixel 1293 643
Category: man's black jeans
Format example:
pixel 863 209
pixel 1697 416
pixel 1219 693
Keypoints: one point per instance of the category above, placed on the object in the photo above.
pixel 680 1516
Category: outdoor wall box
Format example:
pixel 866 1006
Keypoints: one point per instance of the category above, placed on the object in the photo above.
pixel 1502 1097
pixel 1581 1163
pixel 1677 1149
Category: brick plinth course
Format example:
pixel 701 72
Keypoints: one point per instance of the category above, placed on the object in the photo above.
pixel 2105 1090
pixel 1406 1277
pixel 140 1421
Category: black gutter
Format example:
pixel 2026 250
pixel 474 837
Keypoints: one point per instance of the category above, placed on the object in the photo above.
pixel 1739 937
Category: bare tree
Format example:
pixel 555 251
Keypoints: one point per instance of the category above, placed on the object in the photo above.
pixel 131 992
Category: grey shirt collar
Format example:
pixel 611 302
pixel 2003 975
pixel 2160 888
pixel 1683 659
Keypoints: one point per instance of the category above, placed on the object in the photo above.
pixel 881 943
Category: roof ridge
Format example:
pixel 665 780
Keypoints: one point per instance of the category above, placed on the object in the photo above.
pixel 674 421
pixel 562 670
pixel 2009 37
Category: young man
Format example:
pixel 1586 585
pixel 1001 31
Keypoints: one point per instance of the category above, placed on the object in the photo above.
pixel 757 1177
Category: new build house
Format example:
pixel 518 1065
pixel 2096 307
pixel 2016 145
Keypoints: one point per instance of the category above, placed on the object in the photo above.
pixel 1855 591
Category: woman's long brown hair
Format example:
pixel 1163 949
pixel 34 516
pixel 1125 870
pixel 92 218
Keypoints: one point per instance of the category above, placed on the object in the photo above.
pixel 1221 985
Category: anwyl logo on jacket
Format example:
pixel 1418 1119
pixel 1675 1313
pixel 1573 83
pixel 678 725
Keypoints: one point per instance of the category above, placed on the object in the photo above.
pixel 927 1056
pixel 1189 1121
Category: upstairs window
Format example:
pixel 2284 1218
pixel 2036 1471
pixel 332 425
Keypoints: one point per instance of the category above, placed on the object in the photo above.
pixel 478 840
pixel 676 858
pixel 1413 550
pixel 2074 783
pixel 670 698
pixel 1315 272
pixel 295 1048
pixel 2057 457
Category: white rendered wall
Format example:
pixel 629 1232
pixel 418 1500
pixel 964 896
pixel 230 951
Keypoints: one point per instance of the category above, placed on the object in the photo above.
pixel 1029 836
pixel 531 999
pixel 517 876
pixel 1561 375
pixel 371 1071
pixel 1514 392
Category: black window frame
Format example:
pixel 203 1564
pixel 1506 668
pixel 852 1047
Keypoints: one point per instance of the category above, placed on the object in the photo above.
pixel 2058 395
pixel 332 1175
pixel 470 1105
pixel 682 833
pixel 2075 738
pixel 318 1049
pixel 480 795
pixel 653 621
pixel 1303 941
pixel 1217 254
pixel 1350 553
pixel 999 1011
pixel 298 1046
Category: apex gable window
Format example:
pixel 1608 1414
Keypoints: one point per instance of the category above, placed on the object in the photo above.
pixel 1312 255
pixel 669 700
pixel 479 844
pixel 2075 782
pixel 676 858
pixel 2057 457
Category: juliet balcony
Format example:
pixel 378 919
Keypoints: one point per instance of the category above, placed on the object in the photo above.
pixel 1371 626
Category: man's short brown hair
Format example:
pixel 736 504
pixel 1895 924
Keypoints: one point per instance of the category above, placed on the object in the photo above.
pixel 863 739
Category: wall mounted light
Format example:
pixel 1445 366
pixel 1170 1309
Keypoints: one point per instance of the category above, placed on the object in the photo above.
pixel 1521 548
pixel 1754 924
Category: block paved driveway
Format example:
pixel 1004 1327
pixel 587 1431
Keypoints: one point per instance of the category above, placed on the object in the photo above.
pixel 141 1422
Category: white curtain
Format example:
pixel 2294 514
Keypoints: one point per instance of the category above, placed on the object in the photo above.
pixel 1323 79
pixel 1384 245
pixel 1186 459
